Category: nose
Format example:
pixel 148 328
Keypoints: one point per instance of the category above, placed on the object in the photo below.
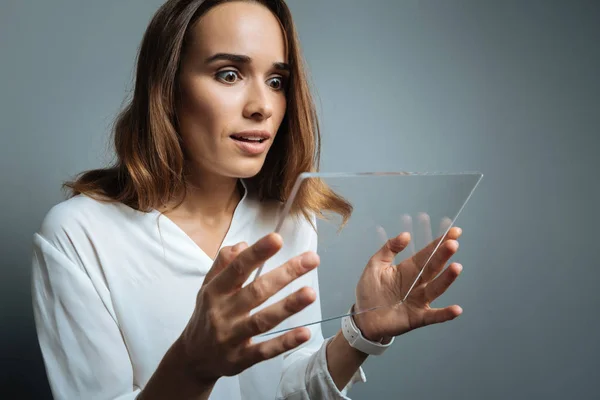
pixel 259 102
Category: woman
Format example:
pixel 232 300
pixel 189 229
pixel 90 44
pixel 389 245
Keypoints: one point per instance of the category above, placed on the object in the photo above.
pixel 139 279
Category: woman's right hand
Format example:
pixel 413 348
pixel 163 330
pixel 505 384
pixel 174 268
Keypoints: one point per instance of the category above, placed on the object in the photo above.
pixel 218 338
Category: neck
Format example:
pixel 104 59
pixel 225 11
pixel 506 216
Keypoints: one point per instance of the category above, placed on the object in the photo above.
pixel 209 197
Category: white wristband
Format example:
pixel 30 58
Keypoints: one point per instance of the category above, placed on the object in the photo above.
pixel 358 341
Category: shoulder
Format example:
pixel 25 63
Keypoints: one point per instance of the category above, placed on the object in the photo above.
pixel 78 217
pixel 70 213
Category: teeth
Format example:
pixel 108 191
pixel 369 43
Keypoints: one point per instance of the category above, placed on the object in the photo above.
pixel 251 139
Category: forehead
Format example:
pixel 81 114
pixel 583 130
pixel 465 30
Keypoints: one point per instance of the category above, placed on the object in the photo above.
pixel 239 27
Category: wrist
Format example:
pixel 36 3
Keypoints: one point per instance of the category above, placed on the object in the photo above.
pixel 372 344
pixel 361 326
pixel 175 378
pixel 188 367
pixel 365 328
pixel 339 344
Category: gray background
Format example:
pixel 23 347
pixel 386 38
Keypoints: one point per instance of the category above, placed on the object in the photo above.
pixel 508 88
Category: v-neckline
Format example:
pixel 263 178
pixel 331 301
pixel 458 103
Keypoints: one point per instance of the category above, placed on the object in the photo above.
pixel 191 241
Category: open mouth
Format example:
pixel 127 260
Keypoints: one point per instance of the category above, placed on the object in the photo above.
pixel 248 139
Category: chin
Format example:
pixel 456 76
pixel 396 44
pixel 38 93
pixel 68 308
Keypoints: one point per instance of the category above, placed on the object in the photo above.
pixel 246 169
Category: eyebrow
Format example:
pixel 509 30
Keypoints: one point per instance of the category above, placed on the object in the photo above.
pixel 242 59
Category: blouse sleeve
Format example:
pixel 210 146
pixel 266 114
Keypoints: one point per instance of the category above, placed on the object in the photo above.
pixel 82 347
pixel 305 372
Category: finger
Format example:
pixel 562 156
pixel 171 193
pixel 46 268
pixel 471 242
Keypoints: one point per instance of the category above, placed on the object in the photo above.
pixel 407 226
pixel 438 260
pixel 267 319
pixel 390 249
pixel 420 258
pixel 258 291
pixel 445 224
pixel 381 234
pixel 424 228
pixel 438 315
pixel 439 285
pixel 224 258
pixel 237 272
pixel 454 233
pixel 274 347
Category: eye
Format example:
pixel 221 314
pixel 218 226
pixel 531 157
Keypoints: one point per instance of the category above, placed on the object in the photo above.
pixel 276 83
pixel 228 76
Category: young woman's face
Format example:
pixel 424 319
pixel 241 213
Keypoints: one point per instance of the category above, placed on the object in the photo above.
pixel 232 89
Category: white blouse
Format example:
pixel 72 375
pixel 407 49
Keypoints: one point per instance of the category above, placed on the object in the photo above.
pixel 113 288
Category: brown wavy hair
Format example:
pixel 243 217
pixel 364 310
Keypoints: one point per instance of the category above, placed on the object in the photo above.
pixel 149 168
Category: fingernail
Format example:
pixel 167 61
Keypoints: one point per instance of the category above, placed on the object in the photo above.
pixel 266 243
pixel 302 336
pixel 305 296
pixel 308 261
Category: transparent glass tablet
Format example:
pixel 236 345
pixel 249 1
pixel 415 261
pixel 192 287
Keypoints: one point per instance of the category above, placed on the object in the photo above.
pixel 382 205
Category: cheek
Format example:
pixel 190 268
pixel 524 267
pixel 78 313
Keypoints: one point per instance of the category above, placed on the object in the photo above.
pixel 281 107
pixel 206 111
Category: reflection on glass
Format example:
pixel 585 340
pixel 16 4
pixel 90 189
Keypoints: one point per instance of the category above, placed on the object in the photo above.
pixel 384 205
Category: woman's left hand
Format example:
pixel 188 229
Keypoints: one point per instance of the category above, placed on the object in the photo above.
pixel 383 283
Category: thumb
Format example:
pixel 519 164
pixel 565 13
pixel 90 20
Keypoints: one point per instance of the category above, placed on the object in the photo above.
pixel 391 248
pixel 224 258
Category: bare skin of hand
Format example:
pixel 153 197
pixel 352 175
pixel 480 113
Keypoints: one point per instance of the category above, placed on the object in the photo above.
pixel 383 283
pixel 217 340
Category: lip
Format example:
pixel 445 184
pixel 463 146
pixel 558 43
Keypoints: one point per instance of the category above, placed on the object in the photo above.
pixel 261 134
pixel 252 148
